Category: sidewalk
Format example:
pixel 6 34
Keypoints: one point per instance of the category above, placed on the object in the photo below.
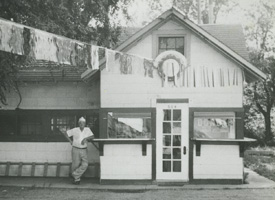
pixel 255 181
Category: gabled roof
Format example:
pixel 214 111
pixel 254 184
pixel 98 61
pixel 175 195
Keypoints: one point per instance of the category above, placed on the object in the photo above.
pixel 228 39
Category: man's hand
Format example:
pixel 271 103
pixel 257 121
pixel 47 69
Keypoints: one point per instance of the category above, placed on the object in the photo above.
pixel 84 141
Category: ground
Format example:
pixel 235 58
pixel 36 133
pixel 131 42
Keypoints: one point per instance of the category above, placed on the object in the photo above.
pixel 16 193
pixel 262 162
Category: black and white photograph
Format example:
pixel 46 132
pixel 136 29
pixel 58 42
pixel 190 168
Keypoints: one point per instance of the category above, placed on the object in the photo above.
pixel 137 99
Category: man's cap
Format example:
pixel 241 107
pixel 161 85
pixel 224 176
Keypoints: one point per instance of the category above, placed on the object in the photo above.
pixel 82 119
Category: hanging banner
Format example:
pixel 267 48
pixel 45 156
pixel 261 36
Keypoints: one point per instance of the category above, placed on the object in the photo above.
pixel 11 38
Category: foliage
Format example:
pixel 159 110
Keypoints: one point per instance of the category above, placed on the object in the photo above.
pixel 70 18
pixel 263 165
pixel 85 20
pixel 260 96
pixel 190 8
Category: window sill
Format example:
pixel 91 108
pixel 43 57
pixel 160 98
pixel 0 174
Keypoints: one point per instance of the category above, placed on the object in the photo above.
pixel 240 142
pixel 214 141
pixel 124 140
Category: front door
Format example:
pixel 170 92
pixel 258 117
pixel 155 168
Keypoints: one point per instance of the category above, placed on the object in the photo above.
pixel 172 144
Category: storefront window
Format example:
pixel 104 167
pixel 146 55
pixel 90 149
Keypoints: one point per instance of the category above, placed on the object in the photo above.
pixel 129 125
pixel 214 125
pixel 30 124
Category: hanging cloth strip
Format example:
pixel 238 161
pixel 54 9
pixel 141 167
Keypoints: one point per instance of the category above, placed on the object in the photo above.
pixel 149 68
pixel 8 38
pixel 64 48
pixel 125 63
pixel 16 41
pixel 94 57
pixel 45 48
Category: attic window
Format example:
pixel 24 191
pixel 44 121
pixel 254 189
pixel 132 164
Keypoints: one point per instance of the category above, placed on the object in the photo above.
pixel 171 43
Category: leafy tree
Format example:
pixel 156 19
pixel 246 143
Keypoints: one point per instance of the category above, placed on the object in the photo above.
pixel 260 96
pixel 85 20
pixel 190 8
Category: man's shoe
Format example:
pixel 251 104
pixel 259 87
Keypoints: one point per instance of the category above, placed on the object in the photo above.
pixel 76 182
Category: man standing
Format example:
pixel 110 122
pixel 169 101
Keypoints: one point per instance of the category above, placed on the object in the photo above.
pixel 80 136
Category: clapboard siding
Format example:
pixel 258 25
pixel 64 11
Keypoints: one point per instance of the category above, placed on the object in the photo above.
pixel 135 91
pixel 41 152
pixel 125 161
pixel 218 162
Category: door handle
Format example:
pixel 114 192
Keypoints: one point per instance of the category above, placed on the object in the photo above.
pixel 184 150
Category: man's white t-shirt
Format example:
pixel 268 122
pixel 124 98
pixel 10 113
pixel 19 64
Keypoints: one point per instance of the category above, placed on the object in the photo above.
pixel 79 135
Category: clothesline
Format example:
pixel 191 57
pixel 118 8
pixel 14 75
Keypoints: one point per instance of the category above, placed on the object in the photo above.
pixel 24 40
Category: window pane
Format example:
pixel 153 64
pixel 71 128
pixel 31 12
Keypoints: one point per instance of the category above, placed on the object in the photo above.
pixel 129 125
pixel 176 127
pixel 162 43
pixel 167 140
pixel 176 115
pixel 177 166
pixel 171 43
pixel 30 124
pixel 179 43
pixel 166 154
pixel 166 166
pixel 62 122
pixel 166 115
pixel 176 140
pixel 166 127
pixel 177 153
pixel 7 125
pixel 214 127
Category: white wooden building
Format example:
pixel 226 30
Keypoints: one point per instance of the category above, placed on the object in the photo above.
pixel 179 120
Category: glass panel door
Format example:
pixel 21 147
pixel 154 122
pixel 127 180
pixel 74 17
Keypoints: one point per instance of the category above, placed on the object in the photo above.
pixel 172 141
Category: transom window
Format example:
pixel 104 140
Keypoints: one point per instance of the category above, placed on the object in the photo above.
pixel 171 43
pixel 214 125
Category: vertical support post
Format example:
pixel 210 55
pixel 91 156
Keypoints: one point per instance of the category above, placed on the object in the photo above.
pixel 144 148
pixel 33 169
pixel 45 169
pixel 198 148
pixel 57 169
pixel 7 169
pixel 20 169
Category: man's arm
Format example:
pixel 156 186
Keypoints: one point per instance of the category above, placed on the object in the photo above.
pixel 87 139
pixel 63 131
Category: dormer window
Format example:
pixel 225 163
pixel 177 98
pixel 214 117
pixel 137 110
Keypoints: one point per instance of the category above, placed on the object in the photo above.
pixel 171 43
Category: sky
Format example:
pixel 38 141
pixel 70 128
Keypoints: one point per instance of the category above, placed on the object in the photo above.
pixel 141 14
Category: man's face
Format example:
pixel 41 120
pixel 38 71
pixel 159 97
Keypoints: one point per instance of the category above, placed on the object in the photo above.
pixel 82 124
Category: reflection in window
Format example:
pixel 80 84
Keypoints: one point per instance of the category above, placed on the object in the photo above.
pixel 30 124
pixel 214 125
pixel 171 43
pixel 62 122
pixel 129 125
pixel 7 125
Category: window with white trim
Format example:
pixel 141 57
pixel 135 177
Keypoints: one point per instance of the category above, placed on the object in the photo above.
pixel 129 125
pixel 171 43
pixel 218 125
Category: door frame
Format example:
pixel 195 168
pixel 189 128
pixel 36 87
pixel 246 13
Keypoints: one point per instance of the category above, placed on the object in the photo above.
pixel 184 102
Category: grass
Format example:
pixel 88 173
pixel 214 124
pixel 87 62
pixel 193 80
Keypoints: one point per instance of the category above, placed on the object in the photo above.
pixel 263 165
